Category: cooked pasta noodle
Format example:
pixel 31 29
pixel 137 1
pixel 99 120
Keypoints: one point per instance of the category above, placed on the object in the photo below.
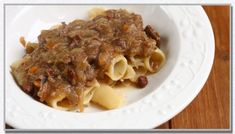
pixel 108 97
pixel 140 71
pixel 137 61
pixel 118 67
pixel 154 62
pixel 59 102
pixel 88 93
pixel 96 11
pixel 130 73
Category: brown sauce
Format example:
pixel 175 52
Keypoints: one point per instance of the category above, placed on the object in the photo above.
pixel 69 57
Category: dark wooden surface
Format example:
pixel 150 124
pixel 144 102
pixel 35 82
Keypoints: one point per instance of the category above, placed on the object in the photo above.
pixel 210 109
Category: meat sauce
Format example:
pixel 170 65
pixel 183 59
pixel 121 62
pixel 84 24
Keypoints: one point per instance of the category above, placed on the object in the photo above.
pixel 68 58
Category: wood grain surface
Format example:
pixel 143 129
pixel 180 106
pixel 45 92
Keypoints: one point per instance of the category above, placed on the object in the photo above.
pixel 210 109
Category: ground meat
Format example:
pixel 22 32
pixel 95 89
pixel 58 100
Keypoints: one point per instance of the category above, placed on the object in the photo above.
pixel 92 49
pixel 27 87
pixel 120 45
pixel 90 73
pixel 75 42
pixel 50 72
pixel 72 76
pixel 104 59
pixel 44 91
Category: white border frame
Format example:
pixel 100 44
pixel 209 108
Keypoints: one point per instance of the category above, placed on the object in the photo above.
pixel 208 2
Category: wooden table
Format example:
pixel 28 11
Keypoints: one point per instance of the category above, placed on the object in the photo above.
pixel 210 109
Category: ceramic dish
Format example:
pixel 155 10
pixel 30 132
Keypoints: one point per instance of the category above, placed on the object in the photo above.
pixel 187 40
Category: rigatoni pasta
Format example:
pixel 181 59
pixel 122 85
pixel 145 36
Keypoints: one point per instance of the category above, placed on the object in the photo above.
pixel 59 102
pixel 84 61
pixel 154 62
pixel 130 73
pixel 117 68
pixel 88 93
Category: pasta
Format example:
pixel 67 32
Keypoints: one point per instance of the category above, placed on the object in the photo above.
pixel 85 61
pixel 118 68
pixel 59 102
pixel 108 97
pixel 137 62
pixel 88 93
pixel 130 73
pixel 96 11
pixel 154 62
pixel 139 67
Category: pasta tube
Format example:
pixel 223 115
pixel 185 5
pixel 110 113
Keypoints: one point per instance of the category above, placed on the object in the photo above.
pixel 88 93
pixel 118 67
pixel 154 62
pixel 59 102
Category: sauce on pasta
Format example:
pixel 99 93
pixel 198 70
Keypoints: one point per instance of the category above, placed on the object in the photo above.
pixel 71 60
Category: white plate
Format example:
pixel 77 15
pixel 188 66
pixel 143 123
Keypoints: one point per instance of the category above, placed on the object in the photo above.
pixel 187 40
